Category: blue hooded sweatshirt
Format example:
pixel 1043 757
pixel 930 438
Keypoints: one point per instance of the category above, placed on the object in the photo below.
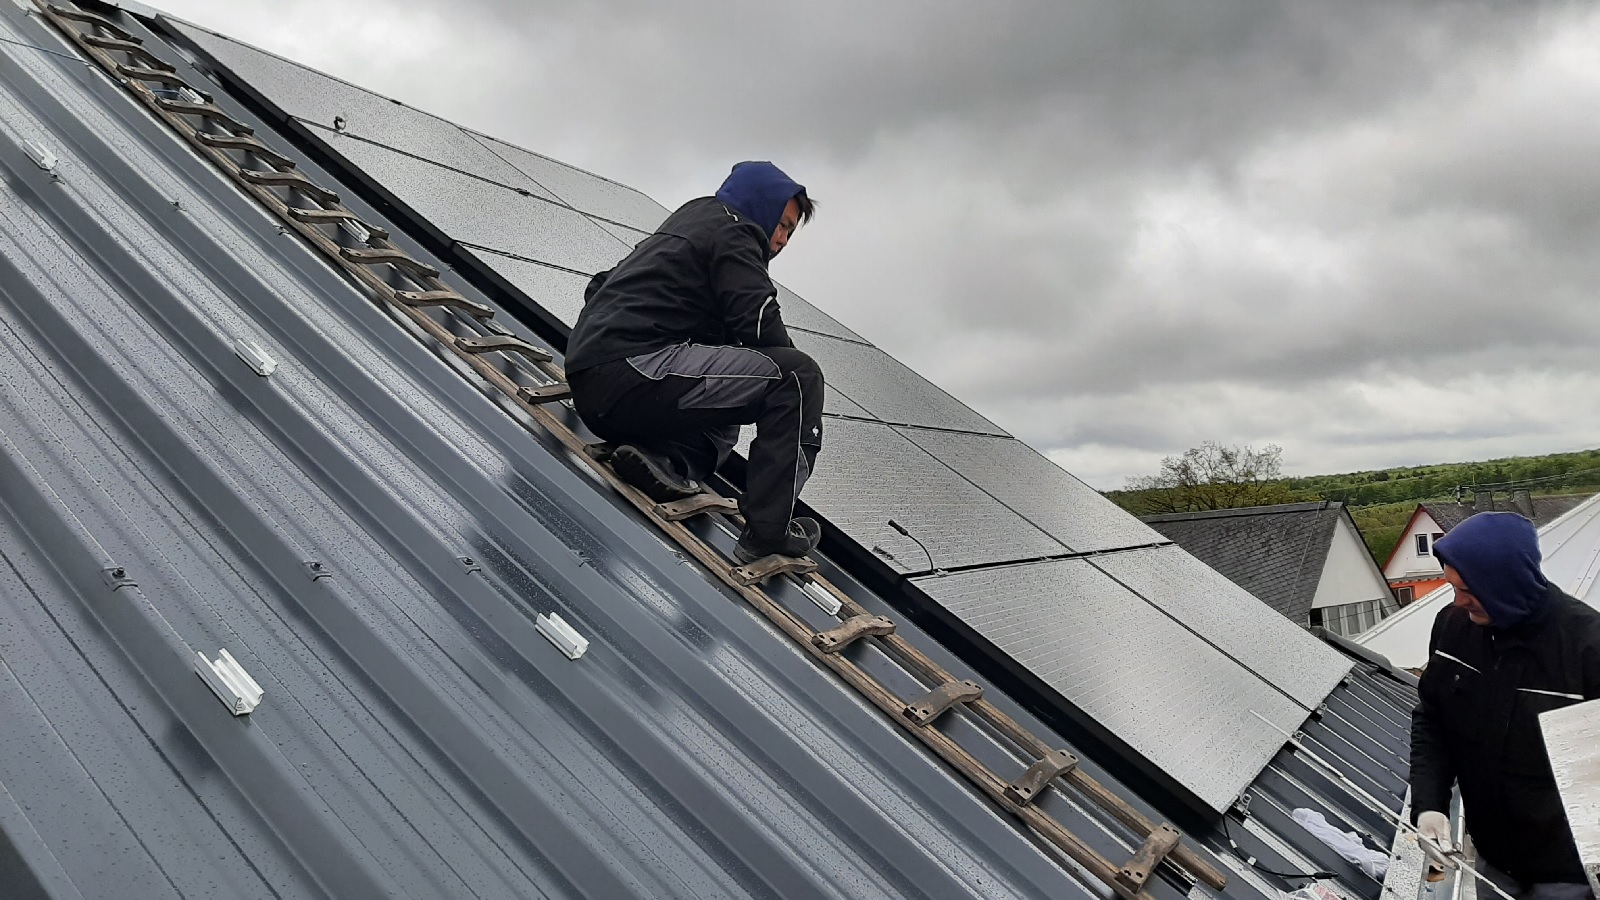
pixel 1497 555
pixel 760 191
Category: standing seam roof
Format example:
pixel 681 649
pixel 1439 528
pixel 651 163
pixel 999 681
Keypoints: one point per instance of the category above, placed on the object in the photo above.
pixel 157 497
pixel 410 706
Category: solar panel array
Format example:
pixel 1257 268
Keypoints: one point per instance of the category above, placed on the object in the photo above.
pixel 1172 658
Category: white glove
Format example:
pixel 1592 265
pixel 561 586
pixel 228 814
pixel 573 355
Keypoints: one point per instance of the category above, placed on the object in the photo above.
pixel 1435 827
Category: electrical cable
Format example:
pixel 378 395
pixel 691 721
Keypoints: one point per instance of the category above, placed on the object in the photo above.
pixel 902 529
pixel 1251 860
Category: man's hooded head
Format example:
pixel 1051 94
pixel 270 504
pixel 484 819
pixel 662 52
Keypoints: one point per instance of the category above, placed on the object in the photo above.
pixel 759 191
pixel 1497 556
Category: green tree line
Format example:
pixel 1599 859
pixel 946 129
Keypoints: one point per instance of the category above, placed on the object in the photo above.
pixel 1380 500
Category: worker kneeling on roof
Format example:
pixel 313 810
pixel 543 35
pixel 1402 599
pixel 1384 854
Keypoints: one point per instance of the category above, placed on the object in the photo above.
pixel 1510 647
pixel 682 342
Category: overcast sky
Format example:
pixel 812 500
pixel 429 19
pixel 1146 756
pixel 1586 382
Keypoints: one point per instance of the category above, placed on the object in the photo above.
pixel 1364 231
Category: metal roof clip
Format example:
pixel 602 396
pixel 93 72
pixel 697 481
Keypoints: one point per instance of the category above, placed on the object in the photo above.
pixel 41 155
pixel 255 356
pixel 229 681
pixel 827 602
pixel 558 632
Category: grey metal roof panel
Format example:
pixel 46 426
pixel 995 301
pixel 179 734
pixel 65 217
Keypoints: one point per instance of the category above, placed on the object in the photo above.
pixel 1175 699
pixel 1226 616
pixel 417 737
pixel 1274 552
pixel 685 755
pixel 1037 489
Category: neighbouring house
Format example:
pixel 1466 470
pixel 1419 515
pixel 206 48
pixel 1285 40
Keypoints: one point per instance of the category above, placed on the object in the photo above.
pixel 1306 560
pixel 1413 571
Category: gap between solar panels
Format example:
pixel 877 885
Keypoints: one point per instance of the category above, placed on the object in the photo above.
pixel 529 379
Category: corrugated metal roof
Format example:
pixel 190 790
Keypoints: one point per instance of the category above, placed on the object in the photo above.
pixel 371 534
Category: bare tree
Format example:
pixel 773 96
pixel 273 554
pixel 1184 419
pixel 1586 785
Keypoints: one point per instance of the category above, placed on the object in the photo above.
pixel 1212 476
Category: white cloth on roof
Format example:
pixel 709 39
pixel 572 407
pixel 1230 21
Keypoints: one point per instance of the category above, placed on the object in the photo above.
pixel 1345 843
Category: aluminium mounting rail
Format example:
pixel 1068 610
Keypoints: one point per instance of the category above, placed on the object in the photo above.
pixel 411 291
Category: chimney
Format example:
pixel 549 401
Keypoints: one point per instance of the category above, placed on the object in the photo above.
pixel 1483 501
pixel 1522 502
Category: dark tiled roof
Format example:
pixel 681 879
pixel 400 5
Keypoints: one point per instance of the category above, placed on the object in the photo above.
pixel 1274 552
pixel 1545 509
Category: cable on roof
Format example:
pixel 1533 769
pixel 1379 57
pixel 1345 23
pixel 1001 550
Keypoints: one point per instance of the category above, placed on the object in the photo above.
pixel 66 56
pixel 1251 860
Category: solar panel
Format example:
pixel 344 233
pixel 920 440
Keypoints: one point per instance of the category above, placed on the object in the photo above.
pixel 838 404
pixel 886 388
pixel 1232 619
pixel 799 313
pixel 1041 491
pixel 479 212
pixel 319 99
pixel 868 474
pixel 629 236
pixel 559 292
pixel 1170 696
pixel 584 191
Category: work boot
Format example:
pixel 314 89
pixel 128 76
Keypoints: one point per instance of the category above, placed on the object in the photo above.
pixel 803 536
pixel 652 473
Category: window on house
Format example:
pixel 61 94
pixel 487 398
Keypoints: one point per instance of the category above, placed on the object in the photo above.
pixel 1437 535
pixel 1423 545
pixel 1316 617
pixel 1404 595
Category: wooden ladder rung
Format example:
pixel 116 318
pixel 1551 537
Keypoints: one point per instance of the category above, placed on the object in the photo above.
pixel 1155 848
pixel 851 630
pixel 247 143
pixel 89 18
pixel 208 110
pixel 451 299
pixel 160 76
pixel 1039 775
pixel 397 258
pixel 544 393
pixel 704 502
pixel 504 343
pixel 770 567
pixel 935 702
pixel 290 179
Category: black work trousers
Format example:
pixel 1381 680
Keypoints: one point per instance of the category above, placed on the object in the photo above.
pixel 687 401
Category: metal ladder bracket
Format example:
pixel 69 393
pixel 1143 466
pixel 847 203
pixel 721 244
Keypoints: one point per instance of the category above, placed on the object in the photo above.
pixel 851 630
pixel 935 702
pixel 504 344
pixel 678 510
pixel 1136 871
pixel 772 566
pixel 1033 781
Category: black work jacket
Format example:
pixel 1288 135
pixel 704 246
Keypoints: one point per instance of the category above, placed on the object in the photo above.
pixel 1477 725
pixel 701 278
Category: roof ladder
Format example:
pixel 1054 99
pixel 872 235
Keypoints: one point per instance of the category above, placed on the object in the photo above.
pixel 529 378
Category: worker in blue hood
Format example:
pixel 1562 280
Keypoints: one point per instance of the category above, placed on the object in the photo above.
pixel 1497 554
pixel 684 341
pixel 1509 647
pixel 761 191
